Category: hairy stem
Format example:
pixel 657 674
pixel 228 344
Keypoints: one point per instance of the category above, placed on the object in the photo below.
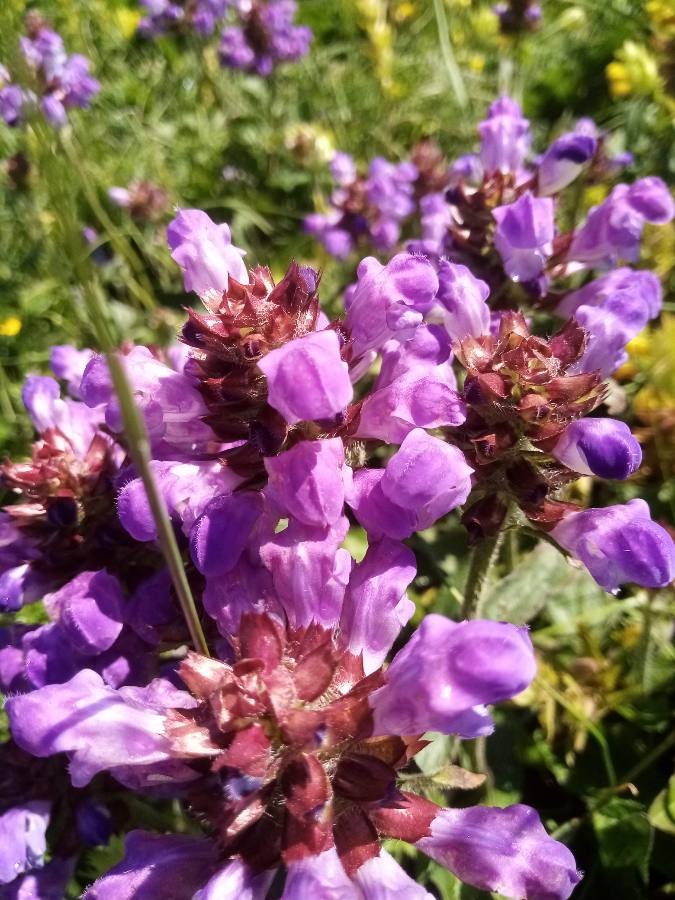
pixel 483 558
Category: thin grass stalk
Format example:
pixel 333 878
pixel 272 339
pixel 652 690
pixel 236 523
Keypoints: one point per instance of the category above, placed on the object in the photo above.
pixel 449 58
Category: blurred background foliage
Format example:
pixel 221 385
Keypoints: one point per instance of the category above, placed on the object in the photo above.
pixel 591 743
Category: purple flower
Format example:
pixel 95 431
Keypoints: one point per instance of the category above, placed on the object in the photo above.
pixel 503 850
pixel 205 252
pixel 422 482
pixel 389 301
pixel 382 878
pixel 602 447
pixel 265 36
pixel 463 296
pixel 613 229
pixel 171 406
pixel 12 100
pixel 435 219
pixel 447 672
pixel 418 399
pixel 309 481
pixel 220 534
pixel 619 544
pixel 343 169
pixel 187 488
pixel 390 188
pixel 645 287
pixel 317 875
pixel 428 351
pixel 505 138
pixel 68 364
pixel 524 235
pixel 237 881
pixel 376 606
pixel 563 161
pixel 172 867
pixel 48 883
pixel 73 717
pixel 310 572
pixel 22 839
pixel 307 379
pixel 89 610
pixel 609 328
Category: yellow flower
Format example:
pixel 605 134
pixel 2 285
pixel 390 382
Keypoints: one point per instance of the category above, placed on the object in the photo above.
pixel 476 62
pixel 634 71
pixel 10 326
pixel 404 10
pixel 127 21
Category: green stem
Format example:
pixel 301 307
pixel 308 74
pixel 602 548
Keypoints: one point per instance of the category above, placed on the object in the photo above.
pixel 139 449
pixel 483 558
pixel 448 54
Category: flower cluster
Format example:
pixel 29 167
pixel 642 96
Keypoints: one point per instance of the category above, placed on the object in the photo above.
pixel 517 16
pixel 370 210
pixel 263 36
pixel 59 81
pixel 164 16
pixel 143 200
pixel 287 743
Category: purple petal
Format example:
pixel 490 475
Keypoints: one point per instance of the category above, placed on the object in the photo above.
pixel 307 379
pixel 602 447
pixel 172 867
pixel 381 878
pixel 503 850
pixel 89 721
pixel 237 881
pixel 205 252
pixel 308 481
pixel 23 841
pixel 619 544
pixel 389 301
pixel 319 876
pixel 310 572
pixel 376 606
pixel 220 534
pixel 447 672
pixel 89 610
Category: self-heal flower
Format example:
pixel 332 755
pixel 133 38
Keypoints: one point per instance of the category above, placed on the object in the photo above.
pixel 463 297
pixel 524 235
pixel 205 252
pixel 503 850
pixel 563 161
pixel 447 672
pixel 294 716
pixel 309 481
pixel 602 447
pixel 619 544
pixel 613 229
pixel 423 481
pixel 307 379
pixel 389 301
pixel 505 138
pixel 645 288
pixel 22 839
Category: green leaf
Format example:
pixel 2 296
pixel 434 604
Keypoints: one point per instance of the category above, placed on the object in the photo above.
pixel 524 592
pixel 662 811
pixel 624 834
